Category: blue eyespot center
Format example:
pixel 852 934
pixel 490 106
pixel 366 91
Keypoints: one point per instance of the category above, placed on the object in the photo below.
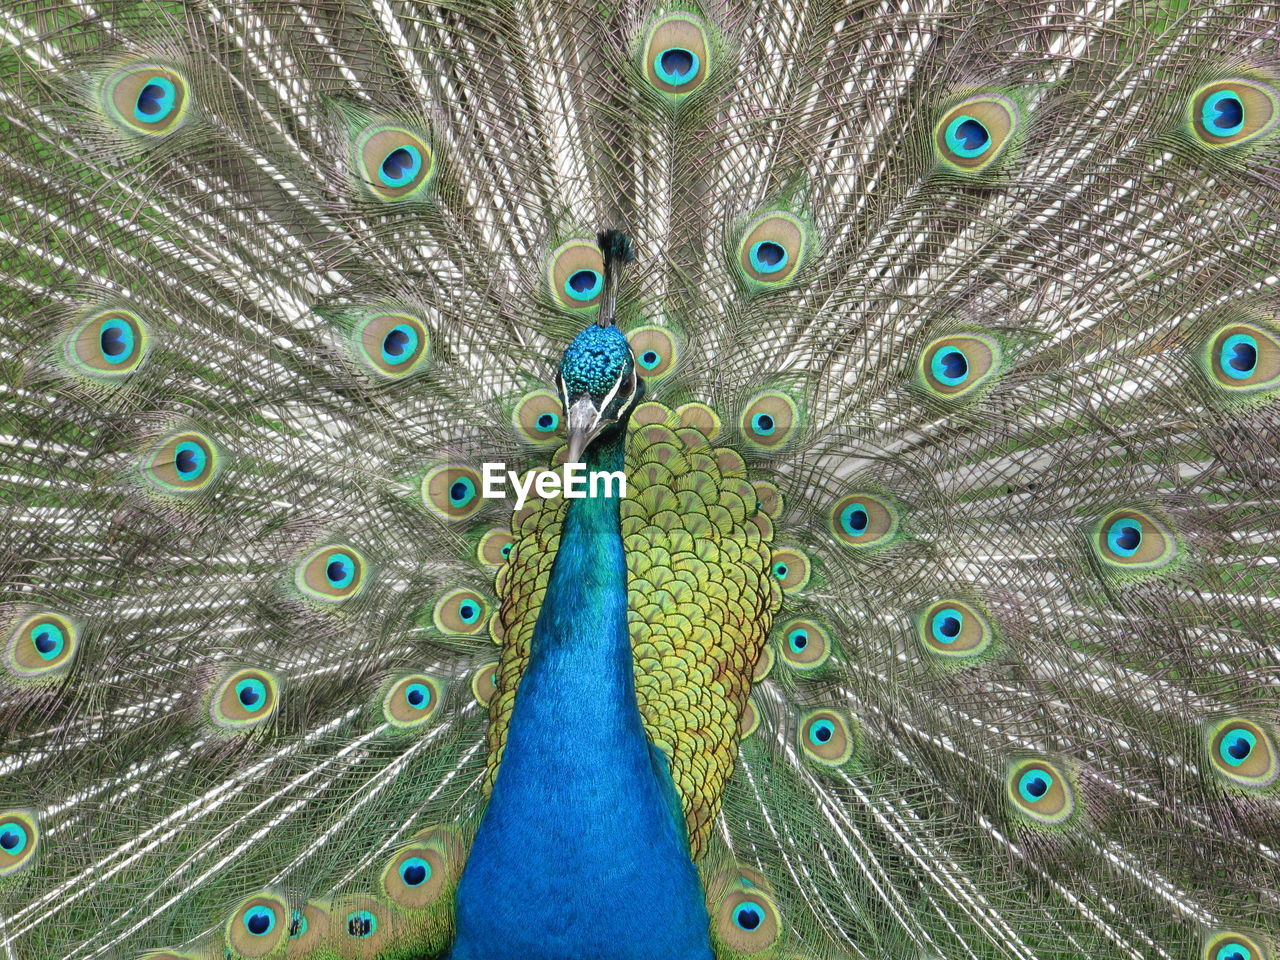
pixel 506 551
pixel 1124 537
pixel 418 695
pixel 13 839
pixel 768 257
pixel 650 359
pixel 155 101
pixel 676 66
pixel 950 366
pixel 400 344
pixel 48 640
pixel 748 915
pixel 763 424
pixel 1234 951
pixel 189 459
pixel 468 611
pixel 340 571
pixel 462 492
pixel 780 570
pixel 967 137
pixel 415 871
pixel 116 340
pixel 1034 784
pixel 584 284
pixel 546 423
pixel 1223 114
pixel 946 625
pixel 259 921
pixel 252 694
pixel 821 731
pixel 361 924
pixel 798 640
pixel 400 166
pixel 1238 357
pixel 1236 746
pixel 854 519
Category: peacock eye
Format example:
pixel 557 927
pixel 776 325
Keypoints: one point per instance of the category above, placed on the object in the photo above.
pixel 1232 946
pixel 19 836
pixel 748 915
pixel 957 365
pixel 1244 753
pixel 584 284
pixel 826 738
pixel 252 694
pixel 768 256
pixel 821 732
pixel 1134 540
pixel 42 646
pixel 972 135
pixel 537 416
pixel 945 625
pixel 392 345
pixel 495 546
pixel 257 927
pixel 146 99
pixel 769 419
pixel 771 249
pixel 575 273
pixel 182 464
pixel 451 491
pixel 655 350
pixel 331 573
pixel 863 520
pixel 484 682
pixel 805 645
pixel 676 57
pixel 244 699
pixel 411 701
pixel 462 612
pixel 297 924
pixel 1124 536
pixel 415 871
pixel 1040 792
pixel 1243 357
pixel 798 640
pixel 1233 111
pixel 397 164
pixel 259 921
pixel 791 569
pixel 1034 785
pixel 953 629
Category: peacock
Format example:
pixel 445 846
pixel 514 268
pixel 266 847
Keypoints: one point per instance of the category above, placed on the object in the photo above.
pixel 639 480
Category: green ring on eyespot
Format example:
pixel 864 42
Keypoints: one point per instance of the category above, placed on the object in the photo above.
pixel 768 247
pixel 943 363
pixel 1231 353
pixel 798 640
pixel 164 101
pixel 116 332
pixel 1230 740
pixel 583 291
pixel 361 924
pixel 671 77
pixel 1234 951
pixel 1210 114
pixel 259 921
pixel 462 497
pixel 49 640
pixel 198 460
pixel 13 838
pixel 345 572
pixel 297 924
pixel 405 338
pixel 418 696
pixel 938 624
pixel 1034 784
pixel 748 915
pixel 1120 537
pixel 415 871
pixel 820 732
pixel 251 694
pixel 958 145
pixel 763 424
pixel 407 172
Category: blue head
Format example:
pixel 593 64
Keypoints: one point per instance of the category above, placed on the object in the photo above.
pixel 598 386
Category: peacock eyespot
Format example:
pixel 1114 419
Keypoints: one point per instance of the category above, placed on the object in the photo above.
pixel 826 738
pixel 395 163
pixel 1232 946
pixel 655 351
pixel 361 924
pixel 863 520
pixel 41 646
pixel 537 417
pixel 462 612
pixel 772 249
pixel 804 645
pixel 411 701
pixel 416 875
pixel 676 59
pixel 484 682
pixel 746 920
pixel 575 273
pixel 308 928
pixel 975 133
pixel 19 837
pixel 243 699
pixel 1133 539
pixel 452 491
pixel 297 924
pixel 1244 753
pixel 1233 112
pixel 332 574
pixel 769 420
pixel 1040 791
pixel 790 567
pixel 257 928
pixel 181 464
pixel 954 629
pixel 957 365
pixel 146 99
pixel 1244 357
pixel 109 344
pixel 494 548
pixel 393 345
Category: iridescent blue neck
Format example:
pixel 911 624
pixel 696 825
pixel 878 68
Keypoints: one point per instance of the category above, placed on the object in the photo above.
pixel 581 851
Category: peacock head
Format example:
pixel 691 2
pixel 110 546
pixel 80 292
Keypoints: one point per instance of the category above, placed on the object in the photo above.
pixel 598 386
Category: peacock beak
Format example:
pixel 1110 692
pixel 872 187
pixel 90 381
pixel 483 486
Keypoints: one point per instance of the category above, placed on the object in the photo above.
pixel 583 423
